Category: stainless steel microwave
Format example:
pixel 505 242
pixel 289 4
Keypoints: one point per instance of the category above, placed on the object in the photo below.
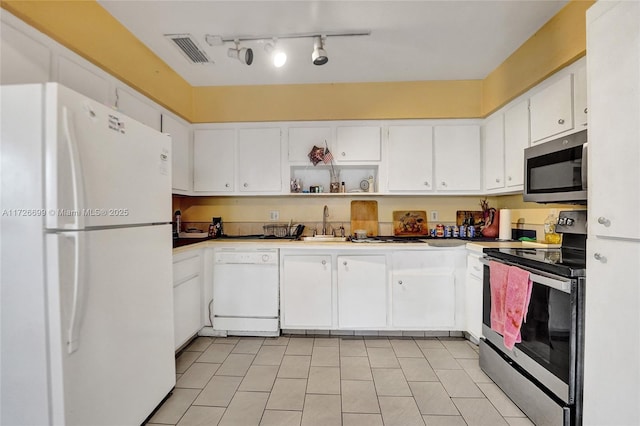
pixel 556 171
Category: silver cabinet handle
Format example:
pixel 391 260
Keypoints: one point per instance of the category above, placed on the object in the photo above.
pixel 586 110
pixel 400 282
pixel 509 178
pixel 246 185
pixel 344 263
pixel 561 121
pixel 497 180
pixel 604 221
pixel 426 183
pixel 444 183
pixel 601 258
pixel 344 154
pixel 324 262
pixel 226 185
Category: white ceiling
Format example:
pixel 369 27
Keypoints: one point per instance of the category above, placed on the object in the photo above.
pixel 409 41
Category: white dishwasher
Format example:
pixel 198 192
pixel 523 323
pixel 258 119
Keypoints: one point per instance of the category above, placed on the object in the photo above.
pixel 245 291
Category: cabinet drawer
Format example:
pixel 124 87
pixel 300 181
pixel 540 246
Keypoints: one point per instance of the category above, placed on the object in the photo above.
pixel 474 266
pixel 185 268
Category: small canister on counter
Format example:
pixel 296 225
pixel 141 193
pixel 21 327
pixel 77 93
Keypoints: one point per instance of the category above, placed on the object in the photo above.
pixel 462 231
pixel 471 231
pixel 432 232
pixel 439 230
pixel 456 232
pixel 447 231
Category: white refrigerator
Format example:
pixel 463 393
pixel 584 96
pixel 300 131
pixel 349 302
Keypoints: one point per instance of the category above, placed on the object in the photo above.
pixel 86 291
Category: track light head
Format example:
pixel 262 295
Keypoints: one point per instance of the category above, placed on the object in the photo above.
pixel 243 54
pixel 319 55
pixel 278 56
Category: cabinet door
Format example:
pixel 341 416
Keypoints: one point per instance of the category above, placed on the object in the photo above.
pixel 424 300
pixel 259 160
pixel 306 292
pixel 24 60
pixel 180 152
pixel 357 143
pixel 362 291
pixel 580 97
pixel 552 109
pixel 457 158
pixel 303 139
pixel 83 80
pixel 494 152
pixel 138 109
pixel 516 139
pixel 187 296
pixel 614 133
pixel 410 158
pixel 423 289
pixel 214 160
pixel 473 295
pixel 612 299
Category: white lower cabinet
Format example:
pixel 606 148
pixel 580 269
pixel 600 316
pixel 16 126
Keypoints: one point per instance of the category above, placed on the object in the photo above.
pixel 473 296
pixel 187 295
pixel 423 289
pixel 306 291
pixel 362 291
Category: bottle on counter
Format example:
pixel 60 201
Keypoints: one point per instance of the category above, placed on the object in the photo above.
pixel 343 188
pixel 550 234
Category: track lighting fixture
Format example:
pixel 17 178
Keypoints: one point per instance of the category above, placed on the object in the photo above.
pixel 278 56
pixel 243 54
pixel 319 55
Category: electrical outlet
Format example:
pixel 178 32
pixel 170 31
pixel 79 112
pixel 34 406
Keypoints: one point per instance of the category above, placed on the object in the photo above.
pixel 433 215
pixel 274 215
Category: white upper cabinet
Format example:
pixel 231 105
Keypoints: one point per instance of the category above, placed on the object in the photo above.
pixel 214 160
pixel 181 170
pixel 614 129
pixel 259 160
pixel 410 158
pixel 303 139
pixel 552 109
pixel 24 60
pixel 357 143
pixel 457 158
pixel 580 106
pixel 494 152
pixel 138 109
pixel 83 80
pixel 516 139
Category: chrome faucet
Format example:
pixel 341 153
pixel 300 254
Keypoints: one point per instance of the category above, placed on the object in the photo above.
pixel 325 215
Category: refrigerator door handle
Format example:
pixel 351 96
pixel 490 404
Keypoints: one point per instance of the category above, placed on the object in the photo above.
pixel 76 170
pixel 79 280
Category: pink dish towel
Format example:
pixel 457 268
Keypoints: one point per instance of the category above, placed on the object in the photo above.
pixel 516 304
pixel 498 283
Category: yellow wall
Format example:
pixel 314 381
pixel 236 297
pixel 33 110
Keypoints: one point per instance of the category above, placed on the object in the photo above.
pixel 561 41
pixel 89 30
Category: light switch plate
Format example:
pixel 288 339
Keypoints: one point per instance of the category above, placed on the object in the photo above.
pixel 433 215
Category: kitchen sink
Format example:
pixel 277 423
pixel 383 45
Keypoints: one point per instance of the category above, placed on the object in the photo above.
pixel 324 238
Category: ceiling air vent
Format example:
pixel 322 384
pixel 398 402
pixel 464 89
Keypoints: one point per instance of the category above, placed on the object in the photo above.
pixel 189 48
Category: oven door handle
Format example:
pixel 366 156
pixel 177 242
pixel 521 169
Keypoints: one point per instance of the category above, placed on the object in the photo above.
pixel 555 283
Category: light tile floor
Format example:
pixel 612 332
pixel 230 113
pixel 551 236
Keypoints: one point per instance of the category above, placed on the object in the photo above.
pixel 324 381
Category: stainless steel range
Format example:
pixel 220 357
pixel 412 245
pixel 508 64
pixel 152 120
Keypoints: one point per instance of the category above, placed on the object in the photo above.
pixel 543 373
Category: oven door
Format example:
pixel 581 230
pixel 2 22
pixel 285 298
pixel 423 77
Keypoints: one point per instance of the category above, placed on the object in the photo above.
pixel 548 351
